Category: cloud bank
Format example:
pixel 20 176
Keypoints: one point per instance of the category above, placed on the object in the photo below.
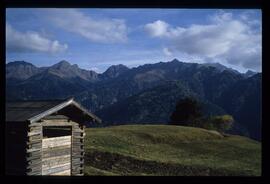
pixel 30 41
pixel 96 30
pixel 234 41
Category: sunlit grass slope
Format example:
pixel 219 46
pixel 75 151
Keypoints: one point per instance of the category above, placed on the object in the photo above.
pixel 169 150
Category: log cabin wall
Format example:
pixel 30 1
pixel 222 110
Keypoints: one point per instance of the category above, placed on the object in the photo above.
pixel 34 149
pixel 39 155
pixel 78 134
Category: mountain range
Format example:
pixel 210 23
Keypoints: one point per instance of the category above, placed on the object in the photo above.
pixel 144 94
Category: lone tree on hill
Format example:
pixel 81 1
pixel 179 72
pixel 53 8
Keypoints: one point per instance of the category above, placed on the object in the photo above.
pixel 187 112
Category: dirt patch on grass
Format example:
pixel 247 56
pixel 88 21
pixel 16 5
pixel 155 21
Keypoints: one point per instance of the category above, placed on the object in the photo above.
pixel 125 165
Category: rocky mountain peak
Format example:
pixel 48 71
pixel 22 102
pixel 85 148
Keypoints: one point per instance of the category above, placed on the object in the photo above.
pixel 20 70
pixel 175 60
pixel 61 65
pixel 115 70
pixel 249 73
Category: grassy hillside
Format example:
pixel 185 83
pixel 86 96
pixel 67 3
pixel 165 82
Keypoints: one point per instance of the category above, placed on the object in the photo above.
pixel 169 150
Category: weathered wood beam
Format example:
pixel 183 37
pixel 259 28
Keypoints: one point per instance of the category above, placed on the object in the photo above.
pixel 52 170
pixel 56 123
pixel 56 141
pixel 62 173
pixel 56 152
pixel 34 133
pixel 56 163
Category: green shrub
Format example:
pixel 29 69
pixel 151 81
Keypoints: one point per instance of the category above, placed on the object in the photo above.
pixel 220 123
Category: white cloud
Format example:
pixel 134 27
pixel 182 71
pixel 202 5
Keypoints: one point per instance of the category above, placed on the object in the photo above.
pixel 157 28
pixel 235 41
pixel 102 30
pixel 30 41
pixel 167 51
pixel 96 69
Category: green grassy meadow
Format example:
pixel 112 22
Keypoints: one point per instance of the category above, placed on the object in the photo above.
pixel 162 150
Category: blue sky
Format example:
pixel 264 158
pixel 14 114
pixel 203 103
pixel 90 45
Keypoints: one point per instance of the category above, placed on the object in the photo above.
pixel 98 38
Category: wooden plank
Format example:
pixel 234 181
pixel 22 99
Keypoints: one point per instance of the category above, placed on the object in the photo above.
pixel 48 167
pixel 77 164
pixel 76 127
pixel 35 145
pixel 34 157
pixel 35 128
pixel 77 169
pixel 56 141
pixel 77 148
pixel 52 170
pixel 34 133
pixel 78 141
pixel 31 173
pixel 34 162
pixel 79 156
pixel 56 152
pixel 34 141
pixel 78 134
pixel 78 137
pixel 35 124
pixel 55 117
pixel 82 174
pixel 62 173
pixel 34 137
pixel 57 138
pixel 77 152
pixel 56 123
pixel 77 144
pixel 78 130
pixel 76 160
pixel 34 153
pixel 65 165
pixel 56 144
pixel 54 161
pixel 55 149
pixel 33 150
pixel 36 167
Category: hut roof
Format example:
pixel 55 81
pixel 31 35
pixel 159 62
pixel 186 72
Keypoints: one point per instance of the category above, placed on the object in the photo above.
pixel 20 111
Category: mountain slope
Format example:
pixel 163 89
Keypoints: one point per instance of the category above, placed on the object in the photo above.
pixel 154 105
pixel 243 101
pixel 207 82
pixel 43 86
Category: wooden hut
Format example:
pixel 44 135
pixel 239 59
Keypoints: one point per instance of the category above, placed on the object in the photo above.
pixel 46 137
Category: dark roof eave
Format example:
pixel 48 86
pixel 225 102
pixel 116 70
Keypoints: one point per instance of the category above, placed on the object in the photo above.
pixel 61 106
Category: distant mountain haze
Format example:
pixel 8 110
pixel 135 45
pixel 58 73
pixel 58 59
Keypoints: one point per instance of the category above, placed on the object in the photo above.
pixel 144 94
